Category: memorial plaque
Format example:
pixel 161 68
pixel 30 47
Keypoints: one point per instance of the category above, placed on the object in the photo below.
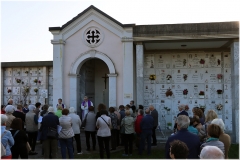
pixel 7 81
pixel 50 71
pixel 32 81
pixel 25 71
pixel 8 72
pixel 215 60
pixel 227 75
pixel 40 71
pixel 16 72
pixel 227 60
pixel 149 91
pixel 33 71
pixel 194 60
pixel 163 60
pixel 149 61
pixel 179 61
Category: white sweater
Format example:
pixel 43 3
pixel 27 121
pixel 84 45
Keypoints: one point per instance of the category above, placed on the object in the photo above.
pixel 103 129
pixel 76 123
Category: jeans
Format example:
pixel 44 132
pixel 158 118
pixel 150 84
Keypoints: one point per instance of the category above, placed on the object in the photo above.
pixel 128 143
pixel 93 136
pixel 104 141
pixel 78 142
pixel 32 139
pixel 50 146
pixel 66 143
pixel 154 135
pixel 145 135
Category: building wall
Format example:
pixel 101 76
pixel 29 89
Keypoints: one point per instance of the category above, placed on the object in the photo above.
pixel 199 78
pixel 111 46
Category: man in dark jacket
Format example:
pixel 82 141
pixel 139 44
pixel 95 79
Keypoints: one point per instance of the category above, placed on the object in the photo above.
pixel 191 140
pixel 49 143
pixel 122 113
pixel 154 114
pixel 182 111
pixel 19 114
pixel 146 126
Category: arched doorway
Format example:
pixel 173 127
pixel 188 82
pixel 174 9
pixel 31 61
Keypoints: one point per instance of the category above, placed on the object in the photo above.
pixel 94 82
pixel 78 81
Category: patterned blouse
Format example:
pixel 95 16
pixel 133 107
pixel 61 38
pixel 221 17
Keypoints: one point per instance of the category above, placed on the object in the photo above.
pixel 114 120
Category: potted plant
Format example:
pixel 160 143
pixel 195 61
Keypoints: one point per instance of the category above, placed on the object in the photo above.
pixel 219 77
pixel 201 94
pixel 219 108
pixel 169 93
pixel 185 92
pixel 9 91
pixel 18 80
pixel 35 81
pixel 167 109
pixel 185 77
pixel 169 124
pixel 152 77
pixel 202 62
pixel 35 90
pixel 168 78
pixel 219 92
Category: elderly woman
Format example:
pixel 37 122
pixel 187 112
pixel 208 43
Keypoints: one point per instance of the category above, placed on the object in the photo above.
pixel 90 128
pixel 9 111
pixel 66 134
pixel 6 138
pixel 128 124
pixel 114 130
pixel 104 133
pixel 225 138
pixel 31 121
pixel 19 148
pixel 76 125
pixel 214 132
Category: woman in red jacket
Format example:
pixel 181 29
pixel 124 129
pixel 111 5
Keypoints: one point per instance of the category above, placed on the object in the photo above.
pixel 137 126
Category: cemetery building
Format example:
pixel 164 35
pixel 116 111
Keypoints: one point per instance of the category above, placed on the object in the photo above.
pixel 114 63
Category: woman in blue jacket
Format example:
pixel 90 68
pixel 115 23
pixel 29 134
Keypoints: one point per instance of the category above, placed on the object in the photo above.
pixel 6 138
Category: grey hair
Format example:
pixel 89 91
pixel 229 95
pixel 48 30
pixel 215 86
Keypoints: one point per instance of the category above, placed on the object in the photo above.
pixel 10 109
pixel 50 109
pixel 71 109
pixel 182 106
pixel 3 119
pixel 183 121
pixel 211 152
pixel 31 107
pixel 219 122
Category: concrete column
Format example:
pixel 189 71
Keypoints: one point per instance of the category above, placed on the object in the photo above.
pixel 127 70
pixel 112 90
pixel 139 71
pixel 73 90
pixel 58 48
pixel 235 90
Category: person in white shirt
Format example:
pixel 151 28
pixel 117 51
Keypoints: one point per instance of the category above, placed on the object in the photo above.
pixel 104 133
pixel 84 106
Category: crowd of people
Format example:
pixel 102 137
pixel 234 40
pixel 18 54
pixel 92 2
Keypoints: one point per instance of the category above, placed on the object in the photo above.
pixel 200 136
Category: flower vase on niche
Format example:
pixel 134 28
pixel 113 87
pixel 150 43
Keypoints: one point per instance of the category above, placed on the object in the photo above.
pixel 168 81
pixel 168 78
pixel 185 92
pixel 202 62
pixel 219 92
pixel 152 77
pixel 201 94
pixel 219 77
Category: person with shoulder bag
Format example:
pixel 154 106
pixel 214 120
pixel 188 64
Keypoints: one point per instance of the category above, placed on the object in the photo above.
pixel 114 130
pixel 7 140
pixel 49 133
pixel 104 133
pixel 20 147
pixel 66 134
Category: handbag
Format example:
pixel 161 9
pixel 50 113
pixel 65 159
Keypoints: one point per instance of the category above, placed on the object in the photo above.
pixel 122 131
pixel 84 121
pixel 52 132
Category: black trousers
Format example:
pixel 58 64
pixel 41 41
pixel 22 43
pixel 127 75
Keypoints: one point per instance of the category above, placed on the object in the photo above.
pixel 19 150
pixel 128 143
pixel 32 139
pixel 93 136
pixel 78 142
pixel 154 135
pixel 114 138
pixel 104 142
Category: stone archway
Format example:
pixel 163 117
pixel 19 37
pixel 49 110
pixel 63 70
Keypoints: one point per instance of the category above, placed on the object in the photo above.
pixel 74 76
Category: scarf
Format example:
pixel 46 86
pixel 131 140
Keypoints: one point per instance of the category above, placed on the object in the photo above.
pixel 89 103
pixel 212 139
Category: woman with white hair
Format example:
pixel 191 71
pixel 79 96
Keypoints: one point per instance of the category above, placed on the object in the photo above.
pixel 9 111
pixel 6 138
pixel 225 138
pixel 76 125
pixel 32 128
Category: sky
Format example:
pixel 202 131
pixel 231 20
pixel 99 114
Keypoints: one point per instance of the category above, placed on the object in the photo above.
pixel 24 24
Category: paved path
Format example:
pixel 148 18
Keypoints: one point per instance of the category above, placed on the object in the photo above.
pixel 38 149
